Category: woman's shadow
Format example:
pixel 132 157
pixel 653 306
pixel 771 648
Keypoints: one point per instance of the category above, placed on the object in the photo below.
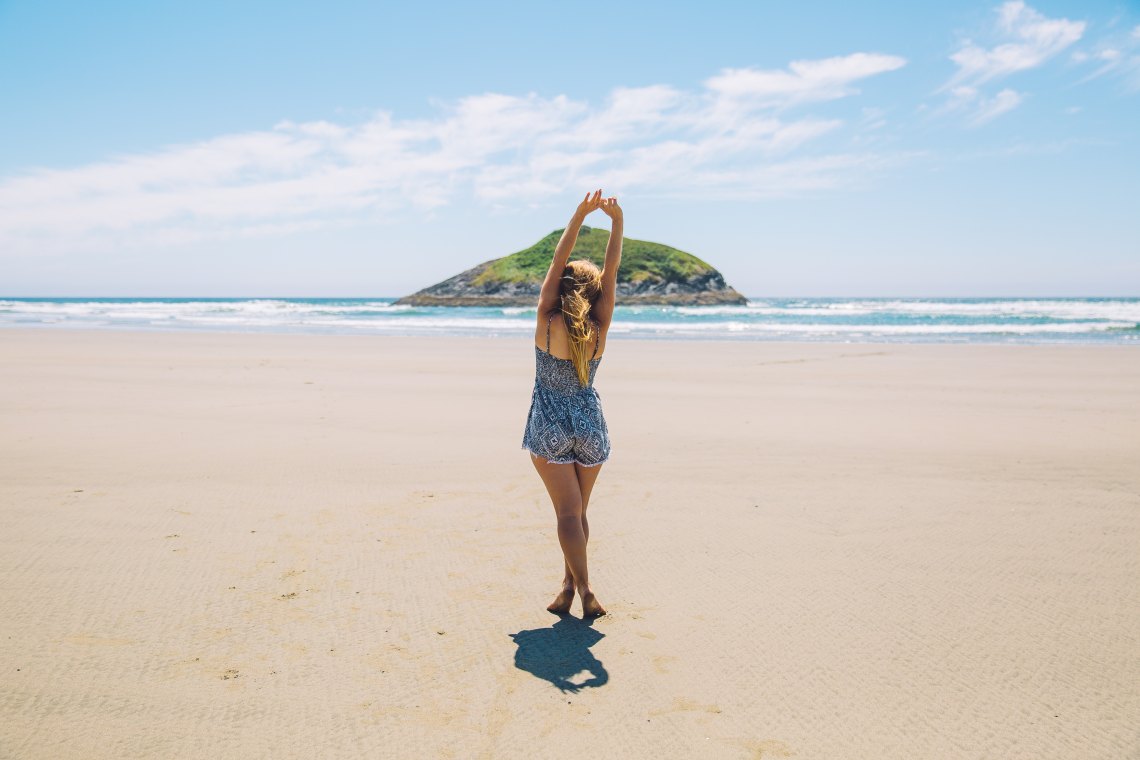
pixel 561 654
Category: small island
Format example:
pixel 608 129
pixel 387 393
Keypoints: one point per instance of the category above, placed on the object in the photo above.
pixel 650 274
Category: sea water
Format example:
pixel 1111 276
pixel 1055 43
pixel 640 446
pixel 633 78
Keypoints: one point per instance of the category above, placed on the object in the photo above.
pixel 846 320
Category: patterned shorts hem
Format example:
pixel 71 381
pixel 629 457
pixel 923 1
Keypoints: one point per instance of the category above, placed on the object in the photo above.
pixel 565 460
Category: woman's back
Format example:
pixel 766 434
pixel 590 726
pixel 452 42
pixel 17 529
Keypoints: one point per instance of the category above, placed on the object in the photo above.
pixel 560 338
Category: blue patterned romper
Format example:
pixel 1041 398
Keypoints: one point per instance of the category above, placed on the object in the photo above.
pixel 565 423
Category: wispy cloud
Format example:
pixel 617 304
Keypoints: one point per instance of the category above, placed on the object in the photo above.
pixel 1025 39
pixel 1031 40
pixel 733 138
pixel 978 107
pixel 991 108
pixel 1118 53
pixel 802 81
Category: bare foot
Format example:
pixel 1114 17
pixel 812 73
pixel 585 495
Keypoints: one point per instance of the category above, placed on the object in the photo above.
pixel 590 606
pixel 561 603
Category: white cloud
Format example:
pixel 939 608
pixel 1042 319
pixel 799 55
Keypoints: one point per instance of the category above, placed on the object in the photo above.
pixel 491 147
pixel 1115 53
pixel 977 107
pixel 824 79
pixel 990 108
pixel 1032 40
pixel 1027 39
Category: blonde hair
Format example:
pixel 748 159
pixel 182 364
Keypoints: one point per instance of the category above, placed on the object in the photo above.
pixel 580 286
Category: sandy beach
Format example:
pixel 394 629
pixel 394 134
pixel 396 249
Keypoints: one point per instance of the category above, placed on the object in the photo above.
pixel 233 545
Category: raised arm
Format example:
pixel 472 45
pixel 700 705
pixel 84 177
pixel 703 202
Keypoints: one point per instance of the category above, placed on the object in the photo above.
pixel 548 297
pixel 604 308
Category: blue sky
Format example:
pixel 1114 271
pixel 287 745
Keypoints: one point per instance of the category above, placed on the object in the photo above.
pixel 370 149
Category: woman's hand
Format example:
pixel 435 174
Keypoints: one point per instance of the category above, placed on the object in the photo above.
pixel 610 208
pixel 591 203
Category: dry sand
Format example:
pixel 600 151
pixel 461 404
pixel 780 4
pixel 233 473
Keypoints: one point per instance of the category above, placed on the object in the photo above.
pixel 247 546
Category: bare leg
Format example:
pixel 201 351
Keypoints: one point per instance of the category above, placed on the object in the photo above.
pixel 562 484
pixel 586 479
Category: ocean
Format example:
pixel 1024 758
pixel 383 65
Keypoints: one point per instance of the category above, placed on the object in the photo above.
pixel 837 320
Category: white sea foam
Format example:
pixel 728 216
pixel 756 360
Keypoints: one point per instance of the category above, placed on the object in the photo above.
pixel 1001 319
pixel 391 324
pixel 755 309
pixel 1050 309
pixel 864 329
pixel 150 309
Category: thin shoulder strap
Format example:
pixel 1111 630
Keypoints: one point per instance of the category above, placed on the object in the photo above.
pixel 597 338
pixel 548 331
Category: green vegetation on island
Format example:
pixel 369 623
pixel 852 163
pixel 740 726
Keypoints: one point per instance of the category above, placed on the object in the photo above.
pixel 640 259
pixel 650 273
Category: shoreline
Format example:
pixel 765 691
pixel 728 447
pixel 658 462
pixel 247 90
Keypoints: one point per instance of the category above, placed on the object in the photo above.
pixel 613 336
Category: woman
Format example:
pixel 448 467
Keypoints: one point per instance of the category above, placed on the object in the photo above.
pixel 566 433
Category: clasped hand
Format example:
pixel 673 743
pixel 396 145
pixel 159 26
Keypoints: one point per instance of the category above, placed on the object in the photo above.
pixel 594 201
